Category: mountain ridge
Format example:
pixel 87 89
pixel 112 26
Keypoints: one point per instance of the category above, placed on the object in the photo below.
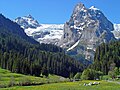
pixel 14 28
pixel 86 29
pixel 43 33
pixel 89 27
pixel 27 22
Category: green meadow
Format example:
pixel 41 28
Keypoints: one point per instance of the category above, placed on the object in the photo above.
pixel 10 81
pixel 70 86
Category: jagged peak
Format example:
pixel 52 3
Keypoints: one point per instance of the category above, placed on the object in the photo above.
pixel 29 16
pixel 27 21
pixel 80 6
pixel 93 8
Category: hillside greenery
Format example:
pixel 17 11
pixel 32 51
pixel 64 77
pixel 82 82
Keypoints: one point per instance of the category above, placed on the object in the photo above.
pixel 19 54
pixel 106 62
pixel 9 79
pixel 107 57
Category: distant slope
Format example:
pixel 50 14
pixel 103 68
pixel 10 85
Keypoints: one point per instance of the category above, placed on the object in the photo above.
pixel 15 29
pixel 46 33
pixel 43 33
pixel 11 32
pixel 27 22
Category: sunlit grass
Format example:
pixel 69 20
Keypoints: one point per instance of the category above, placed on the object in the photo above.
pixel 7 78
pixel 70 86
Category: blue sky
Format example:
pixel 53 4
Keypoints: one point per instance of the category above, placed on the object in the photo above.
pixel 56 11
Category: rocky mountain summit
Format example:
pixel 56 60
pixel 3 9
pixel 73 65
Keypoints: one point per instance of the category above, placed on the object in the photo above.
pixel 27 22
pixel 86 29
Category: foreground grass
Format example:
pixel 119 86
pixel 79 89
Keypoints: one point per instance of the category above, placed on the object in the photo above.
pixel 70 86
pixel 8 79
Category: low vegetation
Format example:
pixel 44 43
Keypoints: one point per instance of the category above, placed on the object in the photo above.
pixel 71 86
pixel 8 79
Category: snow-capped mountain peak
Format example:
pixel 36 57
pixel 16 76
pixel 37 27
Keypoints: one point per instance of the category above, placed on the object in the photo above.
pixel 93 8
pixel 79 7
pixel 29 16
pixel 27 22
pixel 43 33
pixel 86 29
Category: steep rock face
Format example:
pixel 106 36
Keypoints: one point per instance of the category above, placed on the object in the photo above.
pixel 86 29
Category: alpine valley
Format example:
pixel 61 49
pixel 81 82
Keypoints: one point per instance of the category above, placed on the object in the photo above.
pixel 65 56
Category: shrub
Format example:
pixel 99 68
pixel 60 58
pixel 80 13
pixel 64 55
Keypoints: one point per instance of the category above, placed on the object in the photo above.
pixel 77 76
pixel 25 81
pixel 112 74
pixel 90 74
pixel 12 81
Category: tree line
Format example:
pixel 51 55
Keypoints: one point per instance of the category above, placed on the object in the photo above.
pixel 20 56
pixel 106 56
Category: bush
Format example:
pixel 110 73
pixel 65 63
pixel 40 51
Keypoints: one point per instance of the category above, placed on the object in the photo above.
pixel 112 74
pixel 90 74
pixel 25 81
pixel 12 81
pixel 77 76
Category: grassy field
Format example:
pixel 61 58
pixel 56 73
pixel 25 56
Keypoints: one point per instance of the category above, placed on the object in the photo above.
pixel 70 86
pixel 9 79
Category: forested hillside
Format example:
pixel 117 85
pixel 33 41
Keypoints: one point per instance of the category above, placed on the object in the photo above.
pixel 107 57
pixel 24 55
